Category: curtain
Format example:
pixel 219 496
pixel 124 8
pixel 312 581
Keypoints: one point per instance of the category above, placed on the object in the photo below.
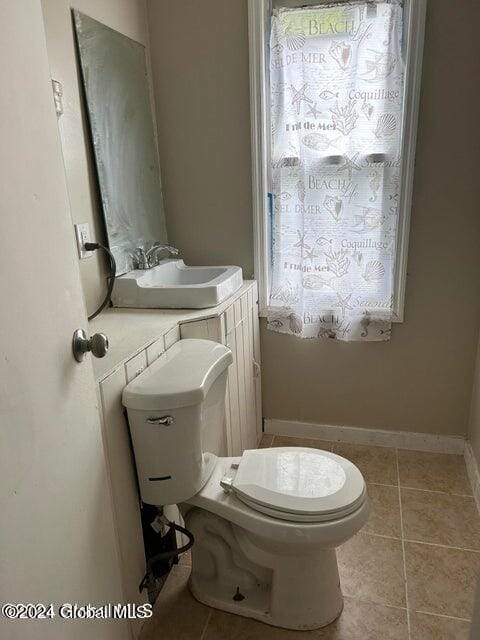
pixel 336 82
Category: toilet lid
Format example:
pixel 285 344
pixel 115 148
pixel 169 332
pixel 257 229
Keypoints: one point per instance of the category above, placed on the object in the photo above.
pixel 296 483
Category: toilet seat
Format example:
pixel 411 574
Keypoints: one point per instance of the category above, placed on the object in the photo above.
pixel 222 501
pixel 297 484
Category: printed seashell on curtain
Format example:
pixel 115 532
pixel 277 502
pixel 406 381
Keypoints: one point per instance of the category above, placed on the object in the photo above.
pixel 336 110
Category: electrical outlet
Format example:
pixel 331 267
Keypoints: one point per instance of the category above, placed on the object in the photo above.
pixel 82 234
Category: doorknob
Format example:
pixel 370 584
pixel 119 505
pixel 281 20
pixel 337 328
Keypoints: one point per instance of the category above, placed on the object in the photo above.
pixel 97 344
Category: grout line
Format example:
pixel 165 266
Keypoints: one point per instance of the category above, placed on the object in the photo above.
pixel 442 615
pixel 378 535
pixel 382 484
pixel 412 540
pixel 397 608
pixel 380 604
pixel 441 546
pixel 403 546
pixel 436 491
pixel 207 622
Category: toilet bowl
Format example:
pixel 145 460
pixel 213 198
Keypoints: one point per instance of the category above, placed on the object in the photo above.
pixel 284 569
pixel 266 524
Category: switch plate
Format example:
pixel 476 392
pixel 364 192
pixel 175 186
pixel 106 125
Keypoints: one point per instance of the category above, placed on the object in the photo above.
pixel 82 234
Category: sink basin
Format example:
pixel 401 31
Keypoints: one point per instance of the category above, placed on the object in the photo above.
pixel 173 285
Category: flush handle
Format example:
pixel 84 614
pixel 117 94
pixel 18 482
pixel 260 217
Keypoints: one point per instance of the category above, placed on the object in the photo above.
pixel 164 420
pixel 97 344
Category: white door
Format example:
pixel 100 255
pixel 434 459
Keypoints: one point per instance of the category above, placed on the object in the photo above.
pixel 57 537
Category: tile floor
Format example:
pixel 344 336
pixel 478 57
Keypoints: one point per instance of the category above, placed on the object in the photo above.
pixel 410 574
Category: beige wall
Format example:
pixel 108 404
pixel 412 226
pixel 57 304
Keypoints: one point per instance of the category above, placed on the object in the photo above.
pixel 421 380
pixel 474 423
pixel 199 55
pixel 128 17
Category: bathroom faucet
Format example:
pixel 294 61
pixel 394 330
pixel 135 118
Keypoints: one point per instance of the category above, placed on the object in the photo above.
pixel 148 259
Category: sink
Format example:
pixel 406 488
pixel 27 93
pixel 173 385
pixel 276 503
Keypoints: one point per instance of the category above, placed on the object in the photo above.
pixel 174 285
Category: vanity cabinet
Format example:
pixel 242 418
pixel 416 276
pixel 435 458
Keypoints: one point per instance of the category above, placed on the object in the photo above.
pixel 235 324
pixel 237 328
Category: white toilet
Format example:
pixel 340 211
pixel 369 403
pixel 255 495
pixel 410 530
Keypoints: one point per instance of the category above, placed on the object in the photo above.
pixel 266 524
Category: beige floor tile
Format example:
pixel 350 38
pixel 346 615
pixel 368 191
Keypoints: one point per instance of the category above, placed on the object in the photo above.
pixel 384 511
pixel 366 621
pixel 226 626
pixel 377 464
pixel 186 559
pixel 359 621
pixel 266 441
pixel 287 441
pixel 177 615
pixel 433 472
pixel 371 569
pixel 440 518
pixel 441 580
pixel 428 627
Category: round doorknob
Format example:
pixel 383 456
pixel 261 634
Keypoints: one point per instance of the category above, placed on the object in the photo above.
pixel 97 344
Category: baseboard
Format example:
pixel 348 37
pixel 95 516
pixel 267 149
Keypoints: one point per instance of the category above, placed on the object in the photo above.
pixel 473 473
pixel 362 435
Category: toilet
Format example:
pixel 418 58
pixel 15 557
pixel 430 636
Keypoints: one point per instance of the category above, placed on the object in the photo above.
pixel 266 524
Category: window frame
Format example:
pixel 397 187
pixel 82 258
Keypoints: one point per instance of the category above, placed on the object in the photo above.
pixel 258 19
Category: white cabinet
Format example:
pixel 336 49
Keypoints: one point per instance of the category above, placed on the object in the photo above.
pixel 237 327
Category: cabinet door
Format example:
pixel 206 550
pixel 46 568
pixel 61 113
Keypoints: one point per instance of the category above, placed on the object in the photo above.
pixel 244 389
pixel 238 329
pixel 234 442
pixel 241 374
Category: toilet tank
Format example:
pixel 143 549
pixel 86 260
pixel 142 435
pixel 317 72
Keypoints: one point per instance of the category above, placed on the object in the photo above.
pixel 176 414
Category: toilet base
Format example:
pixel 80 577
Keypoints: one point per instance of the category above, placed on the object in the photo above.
pixel 239 572
pixel 249 612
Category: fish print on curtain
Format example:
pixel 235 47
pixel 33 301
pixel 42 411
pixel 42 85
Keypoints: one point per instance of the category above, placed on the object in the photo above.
pixel 336 113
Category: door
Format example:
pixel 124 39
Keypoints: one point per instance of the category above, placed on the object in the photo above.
pixel 57 536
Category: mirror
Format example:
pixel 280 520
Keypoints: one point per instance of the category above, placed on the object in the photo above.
pixel 115 80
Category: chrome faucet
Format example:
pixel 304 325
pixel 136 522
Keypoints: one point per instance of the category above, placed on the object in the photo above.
pixel 147 259
pixel 152 254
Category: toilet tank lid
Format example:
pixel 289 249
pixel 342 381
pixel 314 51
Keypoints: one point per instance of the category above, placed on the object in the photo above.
pixel 181 377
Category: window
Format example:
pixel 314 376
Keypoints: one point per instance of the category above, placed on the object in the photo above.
pixel 334 101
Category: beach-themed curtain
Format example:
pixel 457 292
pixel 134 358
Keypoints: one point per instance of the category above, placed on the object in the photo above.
pixel 336 113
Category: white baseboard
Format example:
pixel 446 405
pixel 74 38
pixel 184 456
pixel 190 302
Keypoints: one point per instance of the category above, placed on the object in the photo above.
pixel 473 473
pixel 361 435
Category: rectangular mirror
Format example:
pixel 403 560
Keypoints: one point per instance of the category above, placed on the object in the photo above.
pixel 114 73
